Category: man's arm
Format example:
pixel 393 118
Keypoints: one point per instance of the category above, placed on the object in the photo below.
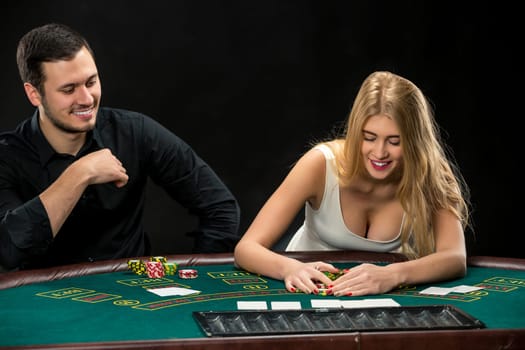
pixel 25 232
pixel 189 180
pixel 219 215
pixel 203 193
pixel 60 198
pixel 28 228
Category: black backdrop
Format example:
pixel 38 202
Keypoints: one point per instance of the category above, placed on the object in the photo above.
pixel 249 84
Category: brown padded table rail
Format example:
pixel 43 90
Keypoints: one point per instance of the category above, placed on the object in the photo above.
pixel 20 278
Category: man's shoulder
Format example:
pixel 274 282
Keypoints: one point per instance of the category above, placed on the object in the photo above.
pixel 16 138
pixel 110 118
pixel 118 114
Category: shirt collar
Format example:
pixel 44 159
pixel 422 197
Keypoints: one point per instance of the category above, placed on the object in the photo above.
pixel 44 149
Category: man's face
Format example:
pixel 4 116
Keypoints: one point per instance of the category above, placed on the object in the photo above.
pixel 72 94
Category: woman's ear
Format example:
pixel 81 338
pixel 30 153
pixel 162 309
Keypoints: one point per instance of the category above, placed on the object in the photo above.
pixel 32 94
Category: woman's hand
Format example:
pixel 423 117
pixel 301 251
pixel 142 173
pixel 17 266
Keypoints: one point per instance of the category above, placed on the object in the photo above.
pixel 365 279
pixel 304 276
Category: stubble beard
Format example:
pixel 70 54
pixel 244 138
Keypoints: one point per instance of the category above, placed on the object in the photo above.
pixel 57 123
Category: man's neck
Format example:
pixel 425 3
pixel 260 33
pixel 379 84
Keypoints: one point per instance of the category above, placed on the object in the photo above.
pixel 61 141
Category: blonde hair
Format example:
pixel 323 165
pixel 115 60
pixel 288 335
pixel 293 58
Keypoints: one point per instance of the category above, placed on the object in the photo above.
pixel 430 180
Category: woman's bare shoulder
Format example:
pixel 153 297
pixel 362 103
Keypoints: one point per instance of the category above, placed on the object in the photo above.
pixel 336 146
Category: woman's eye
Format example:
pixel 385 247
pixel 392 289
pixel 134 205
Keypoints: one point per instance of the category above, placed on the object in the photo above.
pixel 395 142
pixel 368 136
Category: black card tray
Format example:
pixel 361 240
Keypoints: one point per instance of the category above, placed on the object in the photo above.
pixel 266 322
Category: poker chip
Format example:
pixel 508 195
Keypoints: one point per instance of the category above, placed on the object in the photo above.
pixel 137 266
pixel 133 263
pixel 333 276
pixel 188 273
pixel 155 269
pixel 322 289
pixel 160 259
pixel 169 268
pixel 323 292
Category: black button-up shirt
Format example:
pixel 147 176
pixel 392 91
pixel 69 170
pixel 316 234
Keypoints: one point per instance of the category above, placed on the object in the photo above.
pixel 107 222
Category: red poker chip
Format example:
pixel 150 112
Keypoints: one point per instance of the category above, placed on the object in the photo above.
pixel 188 273
pixel 155 269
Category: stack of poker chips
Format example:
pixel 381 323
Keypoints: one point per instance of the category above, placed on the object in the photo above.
pixel 334 276
pixel 137 266
pixel 156 267
pixel 169 268
pixel 322 289
pixel 188 273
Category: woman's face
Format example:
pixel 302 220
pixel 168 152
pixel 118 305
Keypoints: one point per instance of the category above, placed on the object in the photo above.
pixel 381 147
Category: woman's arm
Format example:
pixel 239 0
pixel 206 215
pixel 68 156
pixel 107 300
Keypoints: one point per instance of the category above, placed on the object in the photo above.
pixel 304 183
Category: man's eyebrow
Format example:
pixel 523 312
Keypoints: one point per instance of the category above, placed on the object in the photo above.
pixel 95 75
pixel 91 77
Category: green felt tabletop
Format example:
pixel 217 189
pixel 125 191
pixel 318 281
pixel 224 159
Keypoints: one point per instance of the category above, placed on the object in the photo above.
pixel 118 306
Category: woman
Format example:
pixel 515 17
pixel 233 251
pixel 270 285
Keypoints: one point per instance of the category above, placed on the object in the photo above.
pixel 388 185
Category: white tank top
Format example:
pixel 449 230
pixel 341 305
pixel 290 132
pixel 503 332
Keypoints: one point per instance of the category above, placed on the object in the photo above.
pixel 324 228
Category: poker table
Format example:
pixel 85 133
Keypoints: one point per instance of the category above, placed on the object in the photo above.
pixel 105 305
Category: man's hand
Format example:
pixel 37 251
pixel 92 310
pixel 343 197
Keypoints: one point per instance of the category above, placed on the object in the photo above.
pixel 103 167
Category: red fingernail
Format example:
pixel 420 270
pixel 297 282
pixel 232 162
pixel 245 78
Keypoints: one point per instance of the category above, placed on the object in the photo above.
pixel 330 286
pixel 292 289
pixel 349 294
pixel 316 291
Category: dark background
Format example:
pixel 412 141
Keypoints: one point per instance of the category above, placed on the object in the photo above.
pixel 249 84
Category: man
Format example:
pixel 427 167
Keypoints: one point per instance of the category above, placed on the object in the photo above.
pixel 73 176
